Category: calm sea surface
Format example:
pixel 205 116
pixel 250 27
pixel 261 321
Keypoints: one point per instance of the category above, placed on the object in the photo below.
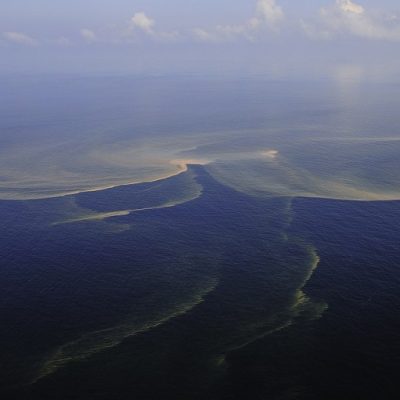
pixel 184 238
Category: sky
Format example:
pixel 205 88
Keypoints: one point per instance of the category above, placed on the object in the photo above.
pixel 279 38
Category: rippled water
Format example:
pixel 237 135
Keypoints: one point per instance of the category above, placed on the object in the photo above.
pixel 256 258
pixel 66 135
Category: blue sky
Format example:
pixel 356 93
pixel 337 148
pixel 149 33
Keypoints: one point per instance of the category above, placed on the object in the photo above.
pixel 195 36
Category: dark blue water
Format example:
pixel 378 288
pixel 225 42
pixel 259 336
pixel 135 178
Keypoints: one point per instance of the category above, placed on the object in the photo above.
pixel 212 298
pixel 353 351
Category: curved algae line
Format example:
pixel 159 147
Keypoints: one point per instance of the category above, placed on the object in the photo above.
pixel 93 216
pixel 103 216
pixel 294 309
pixel 98 341
pixel 311 185
pixel 182 168
pixel 300 298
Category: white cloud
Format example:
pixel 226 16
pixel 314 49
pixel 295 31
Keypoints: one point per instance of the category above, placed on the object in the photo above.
pixel 269 11
pixel 88 35
pixel 346 17
pixel 141 21
pixel 20 38
pixel 350 7
pixel 267 14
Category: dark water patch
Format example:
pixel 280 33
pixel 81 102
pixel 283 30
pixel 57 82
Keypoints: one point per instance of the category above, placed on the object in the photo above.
pixel 215 298
pixel 353 351
pixel 195 282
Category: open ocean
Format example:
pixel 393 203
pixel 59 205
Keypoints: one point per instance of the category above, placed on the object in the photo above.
pixel 186 238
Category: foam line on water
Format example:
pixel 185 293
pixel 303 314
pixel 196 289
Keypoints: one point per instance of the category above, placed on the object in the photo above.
pixel 104 216
pixel 299 303
pixel 98 341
